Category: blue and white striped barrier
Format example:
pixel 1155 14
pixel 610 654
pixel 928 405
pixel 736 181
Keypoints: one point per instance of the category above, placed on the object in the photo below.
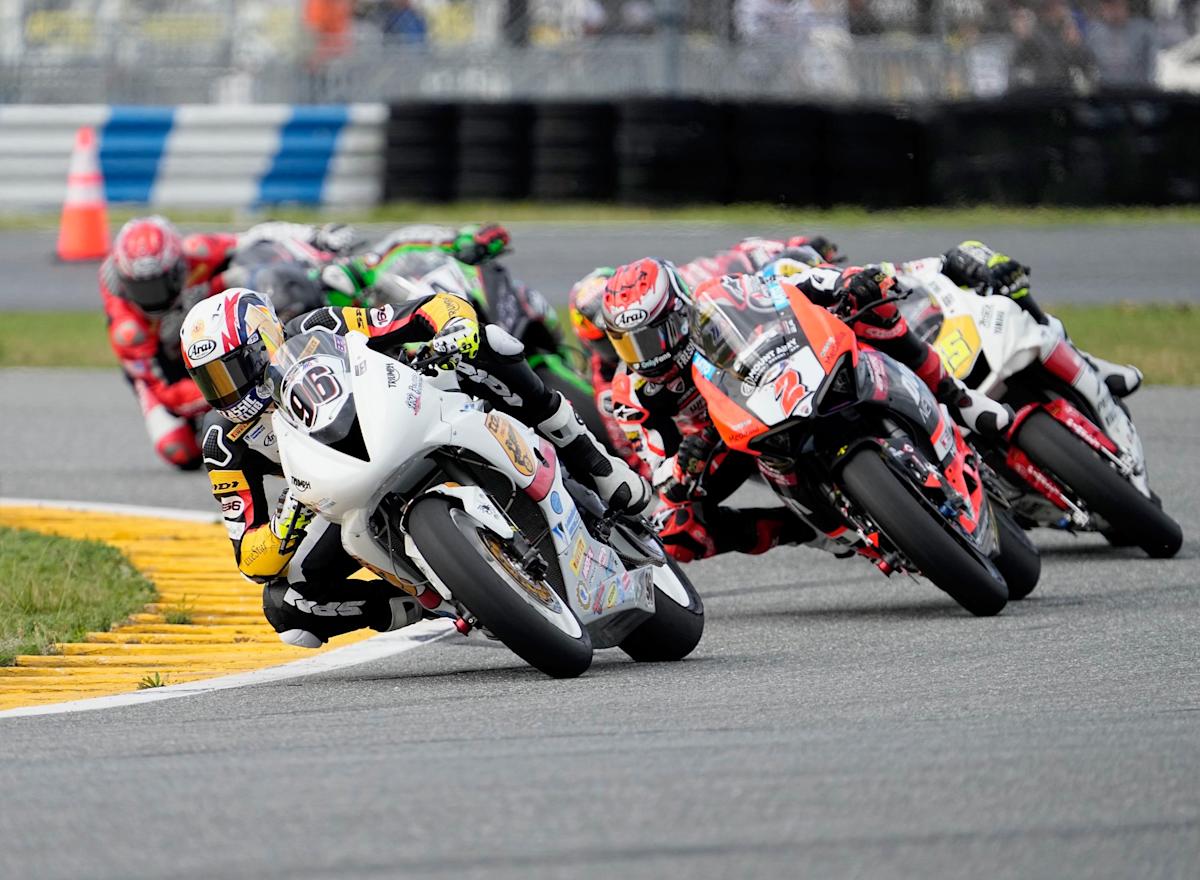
pixel 237 156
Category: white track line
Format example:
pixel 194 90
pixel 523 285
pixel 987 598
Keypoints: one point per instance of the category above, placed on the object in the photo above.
pixel 375 648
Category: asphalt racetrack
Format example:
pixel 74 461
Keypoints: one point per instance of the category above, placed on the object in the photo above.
pixel 832 722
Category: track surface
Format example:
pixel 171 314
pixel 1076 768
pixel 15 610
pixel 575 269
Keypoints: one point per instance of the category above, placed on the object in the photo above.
pixel 1144 263
pixel 832 723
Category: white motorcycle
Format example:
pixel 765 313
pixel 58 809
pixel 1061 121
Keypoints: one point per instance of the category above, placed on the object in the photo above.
pixel 1072 459
pixel 471 512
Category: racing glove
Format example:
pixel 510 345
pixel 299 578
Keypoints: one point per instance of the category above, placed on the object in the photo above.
pixel 677 479
pixel 477 243
pixel 458 338
pixel 861 288
pixel 290 521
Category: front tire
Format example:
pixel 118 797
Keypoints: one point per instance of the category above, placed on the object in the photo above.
pixel 1018 560
pixel 920 537
pixel 462 553
pixel 1130 515
pixel 674 630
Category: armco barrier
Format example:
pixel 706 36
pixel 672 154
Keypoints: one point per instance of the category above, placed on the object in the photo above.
pixel 200 155
pixel 1132 148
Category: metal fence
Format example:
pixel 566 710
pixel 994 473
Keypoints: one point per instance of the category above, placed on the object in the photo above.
pixel 322 51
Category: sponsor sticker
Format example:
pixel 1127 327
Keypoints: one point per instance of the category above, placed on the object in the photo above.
pixel 577 554
pixel 511 442
pixel 201 349
pixel 555 502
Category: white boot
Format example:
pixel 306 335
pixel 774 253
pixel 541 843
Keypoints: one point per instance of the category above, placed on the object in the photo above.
pixel 615 481
pixel 974 410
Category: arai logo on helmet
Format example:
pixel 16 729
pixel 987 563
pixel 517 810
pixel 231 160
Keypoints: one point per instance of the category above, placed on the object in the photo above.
pixel 201 349
pixel 630 318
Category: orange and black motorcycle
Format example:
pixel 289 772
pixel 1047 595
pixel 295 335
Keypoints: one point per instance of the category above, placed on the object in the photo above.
pixel 853 442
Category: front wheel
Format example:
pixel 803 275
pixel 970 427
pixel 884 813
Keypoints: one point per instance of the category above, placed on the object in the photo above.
pixel 678 622
pixel 1018 559
pixel 920 537
pixel 526 615
pixel 1130 515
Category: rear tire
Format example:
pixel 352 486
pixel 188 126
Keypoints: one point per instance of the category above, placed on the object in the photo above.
pixel 1018 560
pixel 1130 515
pixel 924 540
pixel 674 631
pixel 492 599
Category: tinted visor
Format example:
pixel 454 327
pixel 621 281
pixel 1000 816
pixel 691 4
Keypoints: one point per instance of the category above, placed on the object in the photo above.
pixel 228 379
pixel 155 295
pixel 649 350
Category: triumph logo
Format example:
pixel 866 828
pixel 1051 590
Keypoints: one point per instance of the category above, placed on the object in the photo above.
pixel 201 349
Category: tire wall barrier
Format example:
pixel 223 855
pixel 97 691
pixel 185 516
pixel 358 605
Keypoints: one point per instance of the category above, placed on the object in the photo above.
pixel 200 155
pixel 1129 148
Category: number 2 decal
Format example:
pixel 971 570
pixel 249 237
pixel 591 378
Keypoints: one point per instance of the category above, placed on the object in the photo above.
pixel 789 390
pixel 316 386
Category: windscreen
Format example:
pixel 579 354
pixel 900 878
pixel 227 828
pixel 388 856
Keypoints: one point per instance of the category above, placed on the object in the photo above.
pixel 738 329
pixel 311 385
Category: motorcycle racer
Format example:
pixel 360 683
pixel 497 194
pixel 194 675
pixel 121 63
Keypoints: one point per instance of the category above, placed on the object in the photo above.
pixel 647 314
pixel 296 554
pixel 353 278
pixel 752 254
pixel 585 302
pixel 147 284
pixel 976 266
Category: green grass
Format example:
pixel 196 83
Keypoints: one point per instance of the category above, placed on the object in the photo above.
pixel 575 212
pixel 1160 339
pixel 57 589
pixel 54 339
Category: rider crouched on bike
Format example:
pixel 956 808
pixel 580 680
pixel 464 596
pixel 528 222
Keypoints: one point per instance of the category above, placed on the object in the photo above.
pixel 585 303
pixel 647 313
pixel 147 284
pixel 752 254
pixel 307 596
pixel 975 266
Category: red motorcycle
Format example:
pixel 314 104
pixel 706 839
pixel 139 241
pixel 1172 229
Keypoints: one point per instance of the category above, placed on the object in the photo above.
pixel 854 443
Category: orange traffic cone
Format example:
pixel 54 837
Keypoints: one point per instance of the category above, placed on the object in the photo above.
pixel 83 232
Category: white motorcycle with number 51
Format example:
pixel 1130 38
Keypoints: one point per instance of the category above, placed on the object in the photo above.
pixel 470 511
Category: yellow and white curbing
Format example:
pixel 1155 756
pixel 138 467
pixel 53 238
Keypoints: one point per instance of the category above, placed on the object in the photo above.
pixel 226 644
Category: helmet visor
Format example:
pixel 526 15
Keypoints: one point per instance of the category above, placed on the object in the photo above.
pixel 228 379
pixel 649 349
pixel 152 295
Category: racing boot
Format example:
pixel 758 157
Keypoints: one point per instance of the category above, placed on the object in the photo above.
pixel 1057 350
pixel 307 618
pixel 974 410
pixel 617 483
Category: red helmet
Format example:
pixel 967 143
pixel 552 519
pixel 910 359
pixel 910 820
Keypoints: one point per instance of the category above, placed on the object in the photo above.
pixel 646 316
pixel 148 256
pixel 227 343
pixel 586 304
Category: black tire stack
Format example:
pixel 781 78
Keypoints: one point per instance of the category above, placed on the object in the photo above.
pixel 494 150
pixel 573 152
pixel 672 151
pixel 778 154
pixel 420 163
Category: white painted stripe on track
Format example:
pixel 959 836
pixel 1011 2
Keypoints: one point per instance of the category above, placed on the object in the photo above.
pixel 375 648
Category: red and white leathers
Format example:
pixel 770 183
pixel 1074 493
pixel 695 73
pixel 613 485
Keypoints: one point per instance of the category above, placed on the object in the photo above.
pixel 584 304
pixel 171 405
